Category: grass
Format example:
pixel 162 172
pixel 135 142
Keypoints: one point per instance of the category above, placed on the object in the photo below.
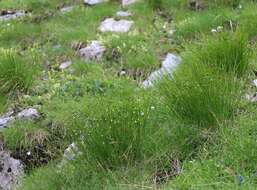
pixel 192 130
pixel 15 73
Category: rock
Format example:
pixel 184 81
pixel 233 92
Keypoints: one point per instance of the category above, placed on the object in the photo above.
pixel 128 2
pixel 10 15
pixel 65 65
pixel 123 14
pixel 168 67
pixel 11 171
pixel 29 113
pixel 251 97
pixel 122 73
pixel 93 51
pixel 67 9
pixel 71 152
pixel 93 2
pixel 120 26
pixel 5 121
pixel 255 82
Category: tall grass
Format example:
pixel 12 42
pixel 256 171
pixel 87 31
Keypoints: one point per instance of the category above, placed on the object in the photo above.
pixel 206 89
pixel 200 95
pixel 115 136
pixel 228 52
pixel 15 73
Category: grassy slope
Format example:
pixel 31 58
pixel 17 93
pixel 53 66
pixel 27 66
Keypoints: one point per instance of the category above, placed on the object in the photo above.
pixel 131 138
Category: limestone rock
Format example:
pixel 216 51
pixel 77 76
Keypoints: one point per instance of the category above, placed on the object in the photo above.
pixel 93 52
pixel 93 2
pixel 10 15
pixel 123 14
pixel 65 65
pixel 11 171
pixel 112 25
pixel 168 67
pixel 255 82
pixel 29 113
pixel 67 9
pixel 128 2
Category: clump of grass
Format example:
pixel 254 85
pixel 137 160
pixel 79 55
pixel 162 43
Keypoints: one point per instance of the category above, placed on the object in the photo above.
pixel 15 73
pixel 247 23
pixel 115 137
pixel 201 95
pixel 194 25
pixel 24 136
pixel 229 52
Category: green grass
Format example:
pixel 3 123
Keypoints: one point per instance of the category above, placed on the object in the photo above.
pixel 15 73
pixel 130 137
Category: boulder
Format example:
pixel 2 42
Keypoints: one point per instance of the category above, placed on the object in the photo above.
pixel 119 26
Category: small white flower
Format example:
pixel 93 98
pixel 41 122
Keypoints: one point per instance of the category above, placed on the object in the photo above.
pixel 152 107
pixel 28 153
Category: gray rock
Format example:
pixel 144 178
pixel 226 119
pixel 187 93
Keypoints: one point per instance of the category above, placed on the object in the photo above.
pixel 128 2
pixel 5 121
pixel 251 97
pixel 12 15
pixel 112 25
pixel 29 113
pixel 93 2
pixel 168 67
pixel 65 65
pixel 123 14
pixel 93 52
pixel 11 171
pixel 71 152
pixel 255 82
pixel 67 9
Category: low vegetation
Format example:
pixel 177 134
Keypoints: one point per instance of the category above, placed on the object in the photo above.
pixel 194 129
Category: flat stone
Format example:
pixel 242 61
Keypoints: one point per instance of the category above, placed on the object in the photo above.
pixel 128 2
pixel 112 25
pixel 65 65
pixel 11 171
pixel 168 67
pixel 12 15
pixel 93 2
pixel 93 52
pixel 67 9
pixel 123 14
pixel 29 113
